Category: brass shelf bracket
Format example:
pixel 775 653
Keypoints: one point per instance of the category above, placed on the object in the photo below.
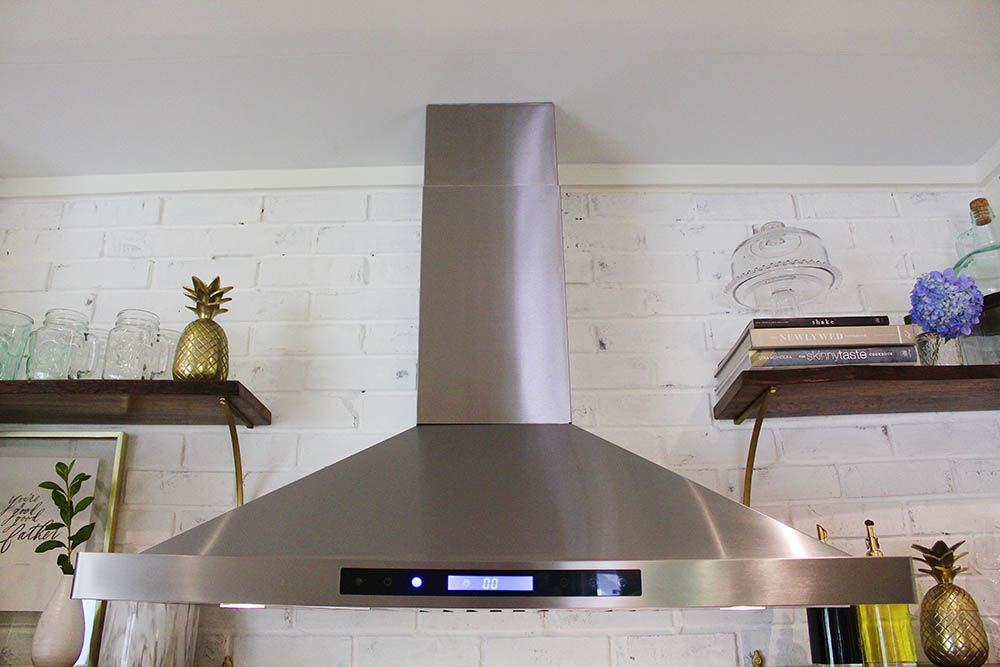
pixel 237 460
pixel 761 402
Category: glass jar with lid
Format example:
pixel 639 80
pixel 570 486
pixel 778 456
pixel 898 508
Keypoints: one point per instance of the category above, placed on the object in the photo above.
pixel 130 353
pixel 58 350
pixel 779 268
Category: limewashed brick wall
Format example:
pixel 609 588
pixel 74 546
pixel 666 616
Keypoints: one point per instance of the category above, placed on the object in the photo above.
pixel 323 327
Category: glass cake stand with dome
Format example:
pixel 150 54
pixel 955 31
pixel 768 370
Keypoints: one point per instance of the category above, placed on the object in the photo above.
pixel 779 268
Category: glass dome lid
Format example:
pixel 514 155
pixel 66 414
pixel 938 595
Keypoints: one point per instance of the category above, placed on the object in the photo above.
pixel 779 268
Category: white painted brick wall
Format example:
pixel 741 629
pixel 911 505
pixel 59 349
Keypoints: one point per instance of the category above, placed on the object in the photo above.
pixel 588 236
pixel 177 273
pixel 299 339
pixel 25 276
pixel 102 273
pixel 694 236
pixel 546 651
pixel 660 206
pixel 651 268
pixel 834 444
pixel 111 212
pixel 30 214
pixel 677 650
pixel 236 241
pixel 396 205
pixel 947 205
pixel 63 244
pixel 847 205
pixel 367 304
pixel 323 327
pixel 745 206
pixel 212 209
pixel 312 271
pixel 367 239
pixel 315 207
pixel 417 651
pixel 270 650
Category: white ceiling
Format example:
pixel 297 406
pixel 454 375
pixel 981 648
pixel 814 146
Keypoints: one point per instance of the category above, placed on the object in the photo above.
pixel 119 86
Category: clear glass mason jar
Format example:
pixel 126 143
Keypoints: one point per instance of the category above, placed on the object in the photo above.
pixel 57 350
pixel 130 353
pixel 15 328
pixel 166 347
pixel 98 339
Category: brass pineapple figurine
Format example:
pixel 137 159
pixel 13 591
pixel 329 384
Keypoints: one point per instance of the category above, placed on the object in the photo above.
pixel 951 630
pixel 203 349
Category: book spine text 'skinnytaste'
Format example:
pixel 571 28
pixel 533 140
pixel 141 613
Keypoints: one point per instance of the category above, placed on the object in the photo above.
pixel 833 356
pixel 806 357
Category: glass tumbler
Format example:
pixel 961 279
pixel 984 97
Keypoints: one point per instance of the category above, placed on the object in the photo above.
pixel 58 348
pixel 131 346
pixel 15 328
pixel 166 347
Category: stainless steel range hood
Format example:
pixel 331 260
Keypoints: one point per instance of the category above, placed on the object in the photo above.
pixel 494 500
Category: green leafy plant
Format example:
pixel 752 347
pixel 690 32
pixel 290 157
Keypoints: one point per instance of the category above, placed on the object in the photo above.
pixel 62 496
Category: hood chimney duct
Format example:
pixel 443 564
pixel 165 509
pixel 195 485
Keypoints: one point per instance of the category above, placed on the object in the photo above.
pixel 493 342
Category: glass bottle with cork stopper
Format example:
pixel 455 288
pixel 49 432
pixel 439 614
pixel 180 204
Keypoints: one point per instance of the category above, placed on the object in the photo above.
pixel 886 629
pixel 979 247
pixel 833 631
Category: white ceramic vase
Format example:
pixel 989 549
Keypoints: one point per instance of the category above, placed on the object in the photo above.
pixel 58 637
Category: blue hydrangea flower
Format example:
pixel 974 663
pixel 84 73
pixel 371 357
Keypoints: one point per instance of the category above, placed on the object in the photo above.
pixel 946 304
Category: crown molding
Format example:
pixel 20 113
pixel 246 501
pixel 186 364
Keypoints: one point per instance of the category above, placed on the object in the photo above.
pixel 208 181
pixel 570 176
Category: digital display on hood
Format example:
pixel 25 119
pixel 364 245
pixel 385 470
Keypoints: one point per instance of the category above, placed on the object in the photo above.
pixel 488 582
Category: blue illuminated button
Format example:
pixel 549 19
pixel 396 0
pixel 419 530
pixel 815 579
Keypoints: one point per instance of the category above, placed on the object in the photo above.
pixel 416 582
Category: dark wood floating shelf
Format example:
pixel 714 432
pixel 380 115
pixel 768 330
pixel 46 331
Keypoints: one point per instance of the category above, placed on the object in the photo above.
pixel 128 402
pixel 849 390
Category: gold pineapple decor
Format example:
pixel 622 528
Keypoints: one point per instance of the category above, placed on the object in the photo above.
pixel 203 349
pixel 951 630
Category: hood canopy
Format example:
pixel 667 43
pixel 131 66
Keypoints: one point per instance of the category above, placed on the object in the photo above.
pixel 494 500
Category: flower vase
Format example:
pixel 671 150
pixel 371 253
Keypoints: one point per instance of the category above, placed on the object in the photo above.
pixel 58 638
pixel 935 350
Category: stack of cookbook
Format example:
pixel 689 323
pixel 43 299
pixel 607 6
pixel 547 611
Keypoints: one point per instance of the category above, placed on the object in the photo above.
pixel 802 342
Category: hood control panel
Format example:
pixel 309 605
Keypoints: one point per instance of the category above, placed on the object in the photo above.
pixel 490 583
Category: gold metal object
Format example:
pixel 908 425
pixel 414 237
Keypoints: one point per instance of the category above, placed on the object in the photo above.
pixel 748 410
pixel 237 459
pixel 821 533
pixel 758 659
pixel 951 629
pixel 203 349
pixel 227 662
pixel 871 541
pixel 115 492
pixel 764 399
